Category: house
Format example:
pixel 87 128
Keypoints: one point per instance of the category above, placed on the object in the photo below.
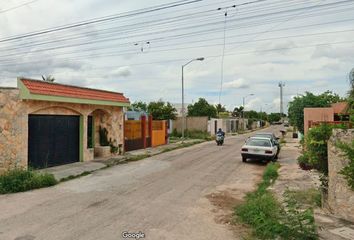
pixel 335 114
pixel 44 124
pixel 229 125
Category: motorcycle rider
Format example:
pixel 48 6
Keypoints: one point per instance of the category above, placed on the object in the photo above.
pixel 220 132
pixel 220 135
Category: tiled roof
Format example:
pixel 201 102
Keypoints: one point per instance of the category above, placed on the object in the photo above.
pixel 340 107
pixel 61 90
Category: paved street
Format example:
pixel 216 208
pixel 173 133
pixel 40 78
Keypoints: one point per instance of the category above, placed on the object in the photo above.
pixel 163 196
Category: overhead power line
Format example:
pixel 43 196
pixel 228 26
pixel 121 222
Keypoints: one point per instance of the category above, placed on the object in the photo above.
pixel 177 36
pixel 18 6
pixel 104 19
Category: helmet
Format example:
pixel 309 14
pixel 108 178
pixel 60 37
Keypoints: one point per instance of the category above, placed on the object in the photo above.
pixel 220 129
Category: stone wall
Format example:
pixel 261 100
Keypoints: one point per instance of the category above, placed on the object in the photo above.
pixel 13 145
pixel 340 196
pixel 14 125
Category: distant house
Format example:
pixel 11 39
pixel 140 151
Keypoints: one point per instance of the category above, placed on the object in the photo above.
pixel 44 124
pixel 135 115
pixel 335 114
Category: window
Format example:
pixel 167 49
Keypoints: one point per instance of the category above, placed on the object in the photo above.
pixel 89 132
pixel 259 142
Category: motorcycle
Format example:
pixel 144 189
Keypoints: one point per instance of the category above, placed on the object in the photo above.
pixel 219 139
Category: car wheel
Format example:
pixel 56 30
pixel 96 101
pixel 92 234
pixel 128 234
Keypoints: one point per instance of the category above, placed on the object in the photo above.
pixel 274 159
pixel 244 159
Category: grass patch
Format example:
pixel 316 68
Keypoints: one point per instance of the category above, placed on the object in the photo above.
pixel 85 173
pixel 271 220
pixel 20 180
pixel 310 197
pixel 282 141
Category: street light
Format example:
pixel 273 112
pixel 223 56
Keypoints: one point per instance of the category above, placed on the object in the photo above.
pixel 261 113
pixel 183 112
pixel 243 104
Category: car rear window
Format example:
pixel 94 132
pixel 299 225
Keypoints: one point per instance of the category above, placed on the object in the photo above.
pixel 259 142
pixel 264 135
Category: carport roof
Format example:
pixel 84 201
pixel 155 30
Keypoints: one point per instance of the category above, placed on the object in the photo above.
pixel 47 91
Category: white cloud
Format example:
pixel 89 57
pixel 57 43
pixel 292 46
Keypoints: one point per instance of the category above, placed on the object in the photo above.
pixel 321 83
pixel 254 103
pixel 120 72
pixel 239 83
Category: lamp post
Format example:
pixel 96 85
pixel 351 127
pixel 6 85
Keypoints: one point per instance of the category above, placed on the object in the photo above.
pixel 183 112
pixel 243 111
pixel 261 113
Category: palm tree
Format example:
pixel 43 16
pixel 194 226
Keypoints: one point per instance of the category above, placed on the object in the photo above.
pixel 48 78
pixel 237 111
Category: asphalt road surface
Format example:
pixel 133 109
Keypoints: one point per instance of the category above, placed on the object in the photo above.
pixel 163 197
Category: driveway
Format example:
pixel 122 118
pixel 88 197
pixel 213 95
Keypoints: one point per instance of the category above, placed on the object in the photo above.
pixel 167 196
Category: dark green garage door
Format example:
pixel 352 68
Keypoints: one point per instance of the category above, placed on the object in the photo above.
pixel 53 140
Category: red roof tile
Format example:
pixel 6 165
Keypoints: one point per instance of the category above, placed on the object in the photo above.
pixel 55 89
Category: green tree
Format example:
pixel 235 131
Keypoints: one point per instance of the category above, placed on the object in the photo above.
pixel 296 107
pixel 202 108
pixel 329 97
pixel 274 117
pixel 161 110
pixel 138 105
pixel 237 112
pixel 251 114
pixel 220 108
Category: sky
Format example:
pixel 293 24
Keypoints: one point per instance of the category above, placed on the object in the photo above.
pixel 138 47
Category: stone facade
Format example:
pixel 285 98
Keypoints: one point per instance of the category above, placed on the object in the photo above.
pixel 340 196
pixel 14 124
pixel 13 145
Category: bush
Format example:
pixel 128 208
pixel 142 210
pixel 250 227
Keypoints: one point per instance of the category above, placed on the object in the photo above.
pixel 316 147
pixel 304 161
pixel 19 180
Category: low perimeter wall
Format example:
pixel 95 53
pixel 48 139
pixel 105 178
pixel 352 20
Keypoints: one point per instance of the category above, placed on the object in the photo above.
pixel 340 196
pixel 192 123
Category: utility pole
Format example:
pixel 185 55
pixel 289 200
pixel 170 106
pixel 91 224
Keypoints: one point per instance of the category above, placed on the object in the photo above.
pixel 281 85
pixel 183 110
pixel 243 110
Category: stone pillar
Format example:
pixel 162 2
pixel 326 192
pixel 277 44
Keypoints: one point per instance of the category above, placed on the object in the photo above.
pixel 340 196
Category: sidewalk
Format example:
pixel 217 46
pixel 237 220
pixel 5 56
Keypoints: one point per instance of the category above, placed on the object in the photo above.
pixel 293 178
pixel 81 168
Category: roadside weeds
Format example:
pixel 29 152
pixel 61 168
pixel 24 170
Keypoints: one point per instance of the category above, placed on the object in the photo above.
pixel 271 219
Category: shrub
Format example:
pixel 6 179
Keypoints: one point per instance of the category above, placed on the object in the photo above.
pixel 19 180
pixel 348 171
pixel 316 147
pixel 304 161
